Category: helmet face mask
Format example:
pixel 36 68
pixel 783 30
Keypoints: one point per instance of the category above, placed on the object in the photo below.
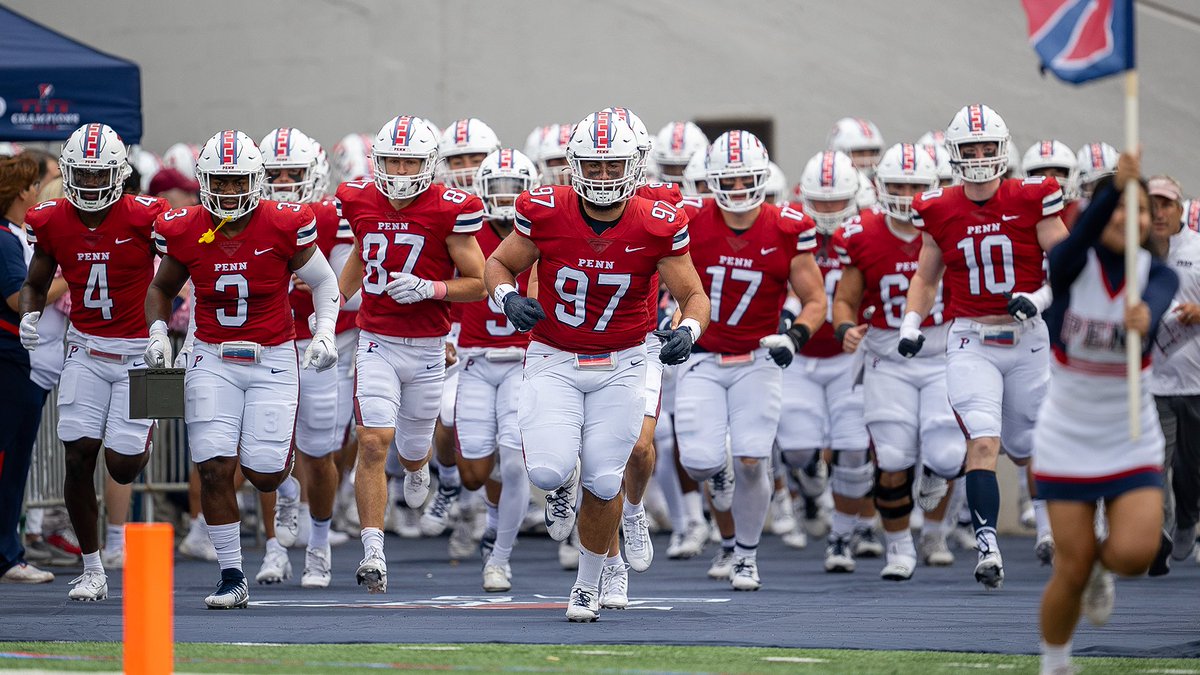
pixel 461 150
pixel 1094 161
pixel 551 159
pixel 860 140
pixel 977 140
pixel 604 159
pixel 290 163
pixel 737 170
pixel 904 171
pixel 231 175
pixel 94 164
pixel 405 155
pixel 673 147
pixel 1053 158
pixel 829 187
pixel 501 177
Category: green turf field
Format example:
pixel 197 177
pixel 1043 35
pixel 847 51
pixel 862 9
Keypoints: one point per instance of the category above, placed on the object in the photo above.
pixel 233 658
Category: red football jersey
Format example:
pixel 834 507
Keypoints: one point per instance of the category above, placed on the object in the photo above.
pixel 108 269
pixel 887 263
pixel 483 323
pixel 331 231
pixel 593 287
pixel 745 273
pixel 989 250
pixel 412 240
pixel 657 192
pixel 823 344
pixel 241 282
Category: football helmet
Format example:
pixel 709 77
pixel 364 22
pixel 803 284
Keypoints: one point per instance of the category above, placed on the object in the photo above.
pixel 941 161
pixel 673 146
pixel 977 123
pixel 640 133
pixel 903 163
pixel 468 136
pixel 405 137
pixel 865 198
pixel 737 154
pixel 182 157
pixel 601 137
pixel 321 173
pixel 1094 161
pixel 694 184
pixel 230 153
pixel 1051 154
pixel 94 164
pixel 933 137
pixel 859 139
pixel 289 148
pixel 829 177
pixel 502 176
pixel 552 154
pixel 147 164
pixel 1191 214
pixel 352 158
pixel 776 185
pixel 534 141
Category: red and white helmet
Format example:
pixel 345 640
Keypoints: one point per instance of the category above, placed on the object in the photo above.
pixel 468 136
pixel 500 178
pixel 352 158
pixel 94 165
pixel 602 137
pixel 673 146
pixel 553 148
pixel 1094 161
pixel 977 123
pixel 903 163
pixel 830 178
pixel 147 164
pixel 182 157
pixel 1191 214
pixel 534 141
pixel 859 139
pixel 407 137
pixel 865 198
pixel 941 161
pixel 694 184
pixel 933 137
pixel 640 133
pixel 1051 154
pixel 776 185
pixel 736 154
pixel 289 148
pixel 230 153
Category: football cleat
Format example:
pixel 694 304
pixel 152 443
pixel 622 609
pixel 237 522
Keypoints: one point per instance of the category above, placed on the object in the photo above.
pixel 639 550
pixel 316 568
pixel 614 586
pixel 838 555
pixel 568 552
pixel 372 572
pixel 231 593
pixel 720 489
pixel 437 514
pixel 722 564
pixel 899 565
pixel 90 586
pixel 560 510
pixel 1099 596
pixel 934 551
pixel 275 565
pixel 287 521
pixel 783 516
pixel 866 542
pixel 989 571
pixel 744 576
pixel 584 605
pixel 932 490
pixel 497 578
pixel 1044 549
pixel 416 487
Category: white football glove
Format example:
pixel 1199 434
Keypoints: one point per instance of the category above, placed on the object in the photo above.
pixel 321 353
pixel 776 341
pixel 29 335
pixel 158 350
pixel 407 289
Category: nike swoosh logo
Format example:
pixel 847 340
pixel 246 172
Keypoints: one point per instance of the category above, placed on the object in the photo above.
pixel 631 250
pixel 1036 350
pixel 769 251
pixel 122 241
pixel 138 364
pixel 258 252
pixel 1008 218
pixel 982 520
pixel 276 371
pixel 431 367
pixel 636 363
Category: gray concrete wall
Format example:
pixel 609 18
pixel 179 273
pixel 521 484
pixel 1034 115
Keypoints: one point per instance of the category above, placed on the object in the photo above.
pixel 337 66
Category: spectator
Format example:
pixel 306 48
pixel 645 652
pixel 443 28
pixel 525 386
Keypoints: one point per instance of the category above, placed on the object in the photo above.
pixel 21 412
pixel 47 165
pixel 176 188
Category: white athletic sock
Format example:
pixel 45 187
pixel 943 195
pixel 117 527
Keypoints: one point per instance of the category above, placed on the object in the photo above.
pixel 630 510
pixel 448 475
pixel 1042 517
pixel 614 560
pixel 1055 656
pixel 668 483
pixel 492 516
pixel 902 540
pixel 372 537
pixel 590 566
pixel 745 552
pixel 842 524
pixel 289 488
pixel 318 537
pixel 91 562
pixel 693 506
pixel 114 537
pixel 227 539
pixel 728 544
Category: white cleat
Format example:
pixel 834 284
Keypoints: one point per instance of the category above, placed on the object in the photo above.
pixel 1099 596
pixel 783 515
pixel 673 546
pixel 372 572
pixel 231 593
pixel 416 487
pixel 639 550
pixel 934 551
pixel 722 564
pixel 461 546
pixel 932 490
pixel 745 574
pixel 866 542
pixel 614 586
pixel 989 571
pixel 584 605
pixel 560 510
pixel 694 540
pixel 899 566
pixel 497 578
pixel 720 489
pixel 113 559
pixel 275 565
pixel 90 586
pixel 436 517
pixel 197 545
pixel 1044 549
pixel 287 521
pixel 316 568
pixel 838 555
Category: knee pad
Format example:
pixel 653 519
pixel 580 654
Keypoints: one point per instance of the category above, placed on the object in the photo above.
pixel 547 478
pixel 749 472
pixel 605 486
pixel 798 459
pixel 852 474
pixel 943 451
pixel 701 475
pixel 899 498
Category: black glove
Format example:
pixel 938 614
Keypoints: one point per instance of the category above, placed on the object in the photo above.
pixel 786 319
pixel 782 356
pixel 908 347
pixel 676 345
pixel 1021 307
pixel 522 311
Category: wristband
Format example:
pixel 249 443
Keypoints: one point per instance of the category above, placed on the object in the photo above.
pixel 799 334
pixel 912 321
pixel 439 290
pixel 839 333
pixel 501 292
pixel 693 327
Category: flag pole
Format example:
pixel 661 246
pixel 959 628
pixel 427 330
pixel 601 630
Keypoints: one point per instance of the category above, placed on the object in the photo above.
pixel 1133 294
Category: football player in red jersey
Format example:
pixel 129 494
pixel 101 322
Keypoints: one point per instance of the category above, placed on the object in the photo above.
pixel 905 406
pixel 749 252
pixel 101 240
pixel 988 235
pixel 242 380
pixel 410 236
pixel 1053 158
pixel 825 409
pixel 596 247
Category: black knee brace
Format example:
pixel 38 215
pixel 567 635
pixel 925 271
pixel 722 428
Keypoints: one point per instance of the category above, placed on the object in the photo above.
pixel 899 498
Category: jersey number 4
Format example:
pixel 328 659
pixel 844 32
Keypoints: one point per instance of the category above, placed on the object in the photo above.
pixel 95 294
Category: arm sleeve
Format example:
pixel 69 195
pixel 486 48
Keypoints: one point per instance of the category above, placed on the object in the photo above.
pixel 1161 286
pixel 325 295
pixel 1070 255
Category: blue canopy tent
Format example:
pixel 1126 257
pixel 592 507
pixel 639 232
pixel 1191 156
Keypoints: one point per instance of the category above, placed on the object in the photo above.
pixel 51 84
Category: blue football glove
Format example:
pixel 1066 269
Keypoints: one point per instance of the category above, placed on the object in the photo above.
pixel 522 311
pixel 676 345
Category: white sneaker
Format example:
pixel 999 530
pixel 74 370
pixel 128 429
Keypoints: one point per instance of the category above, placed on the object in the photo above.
pixel 568 552
pixel 24 573
pixel 113 559
pixel 584 604
pixel 275 565
pixel 899 565
pixel 783 515
pixel 287 521
pixel 720 489
pixel 722 564
pixel 932 490
pixel 934 551
pixel 316 568
pixel 673 546
pixel 197 545
pixel 839 557
pixel 560 510
pixel 796 539
pixel 436 517
pixel 989 571
pixel 745 574
pixel 614 586
pixel 90 586
pixel 231 593
pixel 1099 596
pixel 372 571
pixel 1044 549
pixel 497 578
pixel 866 542
pixel 416 487
pixel 639 549
pixel 461 546
pixel 694 539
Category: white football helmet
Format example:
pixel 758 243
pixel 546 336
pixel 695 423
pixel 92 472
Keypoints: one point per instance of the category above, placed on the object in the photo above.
pixel 737 154
pixel 1051 154
pixel 859 139
pixel 1094 161
pixel 865 198
pixel 640 133
pixel 941 161
pixel 147 164
pixel 694 183
pixel 601 137
pixel 468 136
pixel 933 137
pixel 406 137
pixel 352 158
pixel 534 141
pixel 289 148
pixel 776 185
pixel 230 153
pixel 94 165
pixel 829 178
pixel 673 146
pixel 502 176
pixel 903 163
pixel 552 154
pixel 182 157
pixel 973 124
pixel 321 173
